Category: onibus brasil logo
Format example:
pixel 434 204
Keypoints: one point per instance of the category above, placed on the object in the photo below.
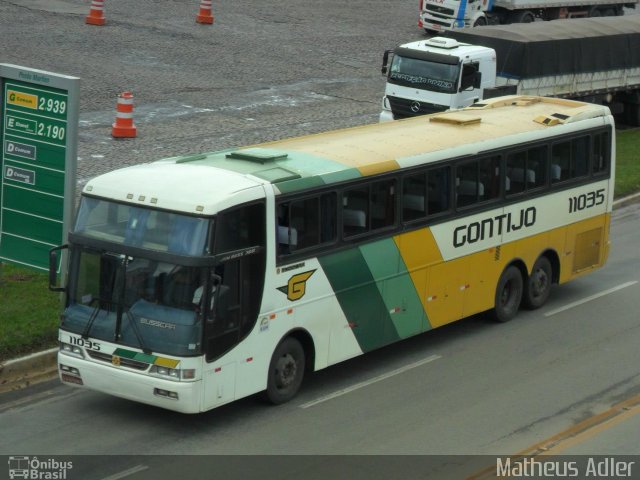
pixel 36 469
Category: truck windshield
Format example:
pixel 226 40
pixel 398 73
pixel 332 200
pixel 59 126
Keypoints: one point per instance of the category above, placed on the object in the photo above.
pixel 152 305
pixel 424 74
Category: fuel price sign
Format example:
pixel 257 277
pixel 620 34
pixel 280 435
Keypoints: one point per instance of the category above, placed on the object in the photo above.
pixel 38 128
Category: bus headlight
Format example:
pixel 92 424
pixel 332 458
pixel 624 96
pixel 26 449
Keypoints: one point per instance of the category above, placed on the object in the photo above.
pixel 73 350
pixel 173 373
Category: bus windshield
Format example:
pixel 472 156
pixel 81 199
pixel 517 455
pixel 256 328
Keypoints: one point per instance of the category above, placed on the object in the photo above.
pixel 138 299
pixel 152 305
pixel 427 75
pixel 142 227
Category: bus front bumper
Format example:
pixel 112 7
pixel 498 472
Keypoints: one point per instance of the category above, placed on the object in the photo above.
pixel 184 397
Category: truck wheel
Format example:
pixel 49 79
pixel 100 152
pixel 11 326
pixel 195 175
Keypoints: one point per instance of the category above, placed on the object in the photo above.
pixel 522 16
pixel 632 114
pixel 609 12
pixel 538 286
pixel 480 22
pixel 508 295
pixel 286 371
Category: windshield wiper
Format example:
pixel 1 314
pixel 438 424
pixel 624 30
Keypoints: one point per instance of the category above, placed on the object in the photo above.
pixel 94 315
pixel 137 333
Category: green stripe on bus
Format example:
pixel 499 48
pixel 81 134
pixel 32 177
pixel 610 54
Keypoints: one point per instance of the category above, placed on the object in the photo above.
pixel 360 299
pixel 121 352
pixel 396 287
pixel 313 170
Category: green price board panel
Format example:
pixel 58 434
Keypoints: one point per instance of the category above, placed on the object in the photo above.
pixel 38 128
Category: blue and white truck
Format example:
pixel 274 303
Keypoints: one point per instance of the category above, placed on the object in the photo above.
pixel 442 15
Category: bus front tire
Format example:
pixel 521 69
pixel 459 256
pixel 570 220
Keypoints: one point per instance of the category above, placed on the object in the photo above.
pixel 286 371
pixel 538 285
pixel 508 295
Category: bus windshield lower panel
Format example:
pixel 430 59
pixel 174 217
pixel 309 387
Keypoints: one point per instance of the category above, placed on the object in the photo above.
pixel 143 303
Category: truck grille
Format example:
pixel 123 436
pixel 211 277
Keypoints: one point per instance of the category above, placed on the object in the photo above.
pixel 124 362
pixel 439 9
pixel 404 108
pixel 438 22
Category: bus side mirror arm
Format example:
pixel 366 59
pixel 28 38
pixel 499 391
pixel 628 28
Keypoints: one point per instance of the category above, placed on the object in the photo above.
pixel 53 269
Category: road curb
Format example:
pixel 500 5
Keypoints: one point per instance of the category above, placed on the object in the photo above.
pixel 24 371
pixel 628 200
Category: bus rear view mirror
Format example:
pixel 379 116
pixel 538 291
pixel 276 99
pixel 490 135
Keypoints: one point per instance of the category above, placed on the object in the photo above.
pixel 53 269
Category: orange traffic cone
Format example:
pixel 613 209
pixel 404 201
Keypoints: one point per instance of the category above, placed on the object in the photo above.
pixel 124 127
pixel 96 14
pixel 204 16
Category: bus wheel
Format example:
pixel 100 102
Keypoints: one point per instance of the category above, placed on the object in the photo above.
pixel 286 371
pixel 508 295
pixel 538 286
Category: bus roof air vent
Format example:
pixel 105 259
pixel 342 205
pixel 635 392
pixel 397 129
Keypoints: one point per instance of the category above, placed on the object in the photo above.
pixel 442 42
pixel 191 158
pixel 259 155
pixel 525 101
pixel 455 119
pixel 552 119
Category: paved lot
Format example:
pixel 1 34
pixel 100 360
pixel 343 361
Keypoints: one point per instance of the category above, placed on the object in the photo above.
pixel 264 70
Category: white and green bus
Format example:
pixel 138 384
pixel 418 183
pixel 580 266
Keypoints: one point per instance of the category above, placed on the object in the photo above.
pixel 197 280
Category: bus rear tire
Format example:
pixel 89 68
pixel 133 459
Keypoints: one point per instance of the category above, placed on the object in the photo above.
pixel 538 286
pixel 286 371
pixel 508 295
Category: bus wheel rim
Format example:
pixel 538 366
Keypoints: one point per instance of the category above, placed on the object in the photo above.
pixel 286 370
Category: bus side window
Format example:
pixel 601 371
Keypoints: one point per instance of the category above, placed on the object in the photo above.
pixel 383 204
pixel 516 168
pixel 560 162
pixel 413 197
pixel 537 166
pixel 489 178
pixel 286 236
pixel 580 157
pixel 600 154
pixel 467 184
pixel 355 211
pixel 438 193
pixel 306 223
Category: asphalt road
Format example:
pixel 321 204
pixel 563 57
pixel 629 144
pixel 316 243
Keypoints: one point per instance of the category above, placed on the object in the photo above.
pixel 472 388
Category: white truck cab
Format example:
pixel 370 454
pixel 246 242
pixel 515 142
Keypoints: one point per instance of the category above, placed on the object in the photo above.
pixel 434 75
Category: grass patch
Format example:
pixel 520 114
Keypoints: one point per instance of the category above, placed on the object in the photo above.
pixel 628 163
pixel 29 312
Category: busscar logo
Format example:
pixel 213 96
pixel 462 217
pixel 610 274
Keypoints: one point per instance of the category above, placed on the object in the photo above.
pixel 296 287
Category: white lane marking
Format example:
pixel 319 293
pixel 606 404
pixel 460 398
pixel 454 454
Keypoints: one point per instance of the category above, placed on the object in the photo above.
pixel 366 383
pixel 588 299
pixel 126 473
